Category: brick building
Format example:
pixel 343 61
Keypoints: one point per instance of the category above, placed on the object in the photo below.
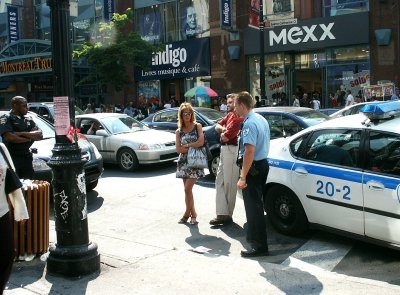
pixel 311 46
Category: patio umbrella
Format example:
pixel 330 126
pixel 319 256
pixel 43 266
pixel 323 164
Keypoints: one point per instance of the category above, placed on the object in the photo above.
pixel 201 91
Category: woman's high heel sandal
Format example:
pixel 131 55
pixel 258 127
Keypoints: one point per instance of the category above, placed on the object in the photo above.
pixel 184 219
pixel 193 220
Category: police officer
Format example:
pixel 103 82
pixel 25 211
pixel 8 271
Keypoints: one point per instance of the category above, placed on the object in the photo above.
pixel 19 131
pixel 253 151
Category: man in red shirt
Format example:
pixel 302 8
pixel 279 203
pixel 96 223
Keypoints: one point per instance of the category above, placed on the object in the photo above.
pixel 228 171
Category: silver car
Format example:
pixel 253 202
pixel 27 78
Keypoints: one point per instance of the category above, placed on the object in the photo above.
pixel 123 140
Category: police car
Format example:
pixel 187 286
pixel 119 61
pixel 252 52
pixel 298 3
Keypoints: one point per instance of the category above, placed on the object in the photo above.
pixel 341 175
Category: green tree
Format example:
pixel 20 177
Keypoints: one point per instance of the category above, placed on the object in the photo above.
pixel 116 50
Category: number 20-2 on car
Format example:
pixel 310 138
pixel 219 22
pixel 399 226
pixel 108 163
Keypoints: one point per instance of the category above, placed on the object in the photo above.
pixel 342 175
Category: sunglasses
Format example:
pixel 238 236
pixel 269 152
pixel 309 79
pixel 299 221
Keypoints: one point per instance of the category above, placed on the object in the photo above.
pixel 186 114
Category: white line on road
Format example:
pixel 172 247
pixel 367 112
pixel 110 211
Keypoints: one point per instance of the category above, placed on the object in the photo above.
pixel 318 253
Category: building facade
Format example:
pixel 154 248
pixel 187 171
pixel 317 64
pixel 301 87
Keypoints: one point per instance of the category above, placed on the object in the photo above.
pixel 310 46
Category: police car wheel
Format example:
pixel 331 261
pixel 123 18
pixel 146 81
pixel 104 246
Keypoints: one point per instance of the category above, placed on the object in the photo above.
pixel 213 166
pixel 285 211
pixel 127 160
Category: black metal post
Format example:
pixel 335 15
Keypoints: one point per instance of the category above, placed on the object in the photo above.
pixel 262 58
pixel 73 254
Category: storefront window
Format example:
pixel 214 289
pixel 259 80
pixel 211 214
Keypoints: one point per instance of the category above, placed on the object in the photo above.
pixel 339 7
pixel 310 60
pixel 348 54
pixel 194 19
pixel 341 78
pixel 275 81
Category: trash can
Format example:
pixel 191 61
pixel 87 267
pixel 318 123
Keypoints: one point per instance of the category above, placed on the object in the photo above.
pixel 31 237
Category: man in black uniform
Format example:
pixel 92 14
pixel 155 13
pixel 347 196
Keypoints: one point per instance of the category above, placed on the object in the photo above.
pixel 19 131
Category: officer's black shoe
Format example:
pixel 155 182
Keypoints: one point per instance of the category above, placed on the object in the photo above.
pixel 254 252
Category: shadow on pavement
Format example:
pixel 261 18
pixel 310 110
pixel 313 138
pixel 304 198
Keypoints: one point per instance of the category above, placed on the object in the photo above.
pixel 159 169
pixel 217 245
pixel 295 281
pixel 94 201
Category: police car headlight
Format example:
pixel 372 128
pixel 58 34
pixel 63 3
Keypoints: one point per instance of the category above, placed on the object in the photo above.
pixel 96 151
pixel 40 165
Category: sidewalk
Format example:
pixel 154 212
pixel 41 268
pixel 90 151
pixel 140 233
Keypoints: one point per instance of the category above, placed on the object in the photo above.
pixel 144 251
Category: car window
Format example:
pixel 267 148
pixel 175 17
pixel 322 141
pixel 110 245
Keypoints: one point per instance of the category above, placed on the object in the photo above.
pixel 169 116
pixel 123 124
pixel 47 128
pixel 211 114
pixel 290 126
pixel 312 117
pixel 338 147
pixel 295 145
pixel 275 125
pixel 384 153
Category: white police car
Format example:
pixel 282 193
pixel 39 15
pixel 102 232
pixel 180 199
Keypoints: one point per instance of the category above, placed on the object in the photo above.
pixel 342 175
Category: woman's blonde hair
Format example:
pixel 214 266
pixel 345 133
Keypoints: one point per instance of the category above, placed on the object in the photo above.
pixel 185 107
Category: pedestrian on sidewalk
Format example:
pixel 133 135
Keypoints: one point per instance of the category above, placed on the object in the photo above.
pixel 189 134
pixel 252 159
pixel 228 171
pixel 6 224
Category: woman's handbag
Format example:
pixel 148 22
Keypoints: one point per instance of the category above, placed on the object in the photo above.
pixel 12 182
pixel 197 158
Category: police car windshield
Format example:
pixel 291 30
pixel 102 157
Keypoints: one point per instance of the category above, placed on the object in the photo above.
pixel 311 117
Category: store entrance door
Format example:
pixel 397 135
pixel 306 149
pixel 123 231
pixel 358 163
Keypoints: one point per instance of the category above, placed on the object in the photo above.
pixel 309 80
pixel 171 89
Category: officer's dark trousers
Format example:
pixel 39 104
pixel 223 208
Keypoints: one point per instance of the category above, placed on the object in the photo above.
pixel 6 249
pixel 23 166
pixel 253 204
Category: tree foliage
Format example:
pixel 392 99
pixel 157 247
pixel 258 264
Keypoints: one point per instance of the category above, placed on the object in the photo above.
pixel 115 50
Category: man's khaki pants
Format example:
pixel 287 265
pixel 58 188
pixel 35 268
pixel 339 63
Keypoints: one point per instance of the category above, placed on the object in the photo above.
pixel 227 177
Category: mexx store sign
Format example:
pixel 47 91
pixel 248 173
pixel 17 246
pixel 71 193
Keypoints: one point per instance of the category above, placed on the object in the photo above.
pixel 189 58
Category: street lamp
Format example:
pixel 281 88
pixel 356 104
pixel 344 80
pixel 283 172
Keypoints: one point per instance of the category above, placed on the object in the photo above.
pixel 73 254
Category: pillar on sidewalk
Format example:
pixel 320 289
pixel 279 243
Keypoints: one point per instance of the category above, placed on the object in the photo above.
pixel 73 255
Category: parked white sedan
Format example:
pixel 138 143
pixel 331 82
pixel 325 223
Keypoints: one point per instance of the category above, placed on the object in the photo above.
pixel 123 140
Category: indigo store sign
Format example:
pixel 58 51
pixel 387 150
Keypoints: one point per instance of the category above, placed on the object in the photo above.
pixel 189 58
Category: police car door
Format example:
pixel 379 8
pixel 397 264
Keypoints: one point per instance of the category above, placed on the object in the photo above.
pixel 329 181
pixel 381 186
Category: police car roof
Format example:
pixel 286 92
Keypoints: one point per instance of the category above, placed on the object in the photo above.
pixel 357 121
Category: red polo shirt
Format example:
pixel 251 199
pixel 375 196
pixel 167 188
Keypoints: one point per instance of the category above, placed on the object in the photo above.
pixel 231 122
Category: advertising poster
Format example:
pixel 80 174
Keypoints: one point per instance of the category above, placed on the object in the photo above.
pixel 254 14
pixel 150 90
pixel 150 27
pixel 279 10
pixel 190 28
pixel 226 13
pixel 355 81
pixel 62 119
pixel 13 26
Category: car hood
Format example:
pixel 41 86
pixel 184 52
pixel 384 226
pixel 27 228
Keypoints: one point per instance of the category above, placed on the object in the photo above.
pixel 44 147
pixel 148 136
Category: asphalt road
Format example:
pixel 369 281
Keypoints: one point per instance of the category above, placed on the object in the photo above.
pixel 316 248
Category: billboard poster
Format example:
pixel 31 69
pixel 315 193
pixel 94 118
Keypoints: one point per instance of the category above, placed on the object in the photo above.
pixel 108 10
pixel 279 10
pixel 190 26
pixel 226 13
pixel 150 90
pixel 254 14
pixel 150 26
pixel 13 25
